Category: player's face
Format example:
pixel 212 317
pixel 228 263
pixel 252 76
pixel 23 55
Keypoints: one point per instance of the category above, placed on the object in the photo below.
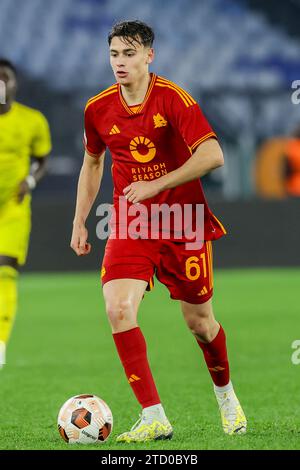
pixel 129 61
pixel 8 77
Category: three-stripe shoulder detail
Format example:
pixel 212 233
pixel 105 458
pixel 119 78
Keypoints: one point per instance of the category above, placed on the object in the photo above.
pixel 202 139
pixel 112 89
pixel 184 95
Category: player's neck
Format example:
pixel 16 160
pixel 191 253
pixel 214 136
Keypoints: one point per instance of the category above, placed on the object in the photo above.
pixel 135 93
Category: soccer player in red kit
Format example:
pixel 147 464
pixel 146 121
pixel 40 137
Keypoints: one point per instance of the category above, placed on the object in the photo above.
pixel 161 144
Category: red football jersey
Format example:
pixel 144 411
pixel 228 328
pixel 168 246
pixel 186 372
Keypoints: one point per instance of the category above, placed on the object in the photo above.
pixel 150 140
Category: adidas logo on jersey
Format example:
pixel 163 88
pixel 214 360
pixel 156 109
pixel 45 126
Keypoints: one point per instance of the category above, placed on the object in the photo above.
pixel 114 130
pixel 203 291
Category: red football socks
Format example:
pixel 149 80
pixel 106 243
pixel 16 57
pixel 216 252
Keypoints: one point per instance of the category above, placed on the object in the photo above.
pixel 215 355
pixel 132 349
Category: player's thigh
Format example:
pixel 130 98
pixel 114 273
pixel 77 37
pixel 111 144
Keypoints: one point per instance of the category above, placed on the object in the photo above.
pixel 127 270
pixel 129 259
pixel 188 274
pixel 118 291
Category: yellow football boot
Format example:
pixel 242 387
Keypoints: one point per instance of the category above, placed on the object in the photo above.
pixel 233 418
pixel 144 431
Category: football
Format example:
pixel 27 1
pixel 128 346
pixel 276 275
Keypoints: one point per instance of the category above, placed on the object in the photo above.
pixel 85 419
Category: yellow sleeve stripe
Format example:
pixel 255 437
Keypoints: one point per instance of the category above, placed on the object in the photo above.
pixel 210 263
pixel 186 97
pixel 151 284
pixel 222 227
pixel 102 95
pixel 104 91
pixel 205 137
pixel 181 90
pixel 172 88
pixel 107 92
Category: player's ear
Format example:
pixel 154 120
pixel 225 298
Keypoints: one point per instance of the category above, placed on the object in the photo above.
pixel 150 55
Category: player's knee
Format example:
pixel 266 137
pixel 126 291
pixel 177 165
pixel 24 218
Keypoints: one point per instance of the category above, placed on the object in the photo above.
pixel 119 312
pixel 201 329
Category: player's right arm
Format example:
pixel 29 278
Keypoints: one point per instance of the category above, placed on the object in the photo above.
pixel 89 180
pixel 88 187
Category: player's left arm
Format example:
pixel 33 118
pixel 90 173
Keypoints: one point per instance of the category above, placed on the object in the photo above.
pixel 207 157
pixel 186 116
pixel 40 149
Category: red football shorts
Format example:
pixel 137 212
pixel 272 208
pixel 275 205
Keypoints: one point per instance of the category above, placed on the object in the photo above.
pixel 188 274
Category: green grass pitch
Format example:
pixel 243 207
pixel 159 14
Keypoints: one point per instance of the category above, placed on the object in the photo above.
pixel 62 346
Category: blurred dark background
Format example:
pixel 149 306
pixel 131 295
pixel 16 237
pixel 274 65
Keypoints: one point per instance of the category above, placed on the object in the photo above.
pixel 239 58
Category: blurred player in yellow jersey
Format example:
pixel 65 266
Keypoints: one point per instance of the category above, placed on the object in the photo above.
pixel 24 145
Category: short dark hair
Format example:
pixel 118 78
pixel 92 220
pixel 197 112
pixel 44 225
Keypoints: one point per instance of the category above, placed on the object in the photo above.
pixel 7 63
pixel 133 31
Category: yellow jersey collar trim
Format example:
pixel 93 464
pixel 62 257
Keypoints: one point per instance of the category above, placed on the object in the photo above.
pixel 143 104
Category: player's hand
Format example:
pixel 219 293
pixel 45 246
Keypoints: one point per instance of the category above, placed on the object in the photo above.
pixel 141 190
pixel 23 189
pixel 79 240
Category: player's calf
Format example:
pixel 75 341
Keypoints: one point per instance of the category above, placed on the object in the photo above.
pixel 200 320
